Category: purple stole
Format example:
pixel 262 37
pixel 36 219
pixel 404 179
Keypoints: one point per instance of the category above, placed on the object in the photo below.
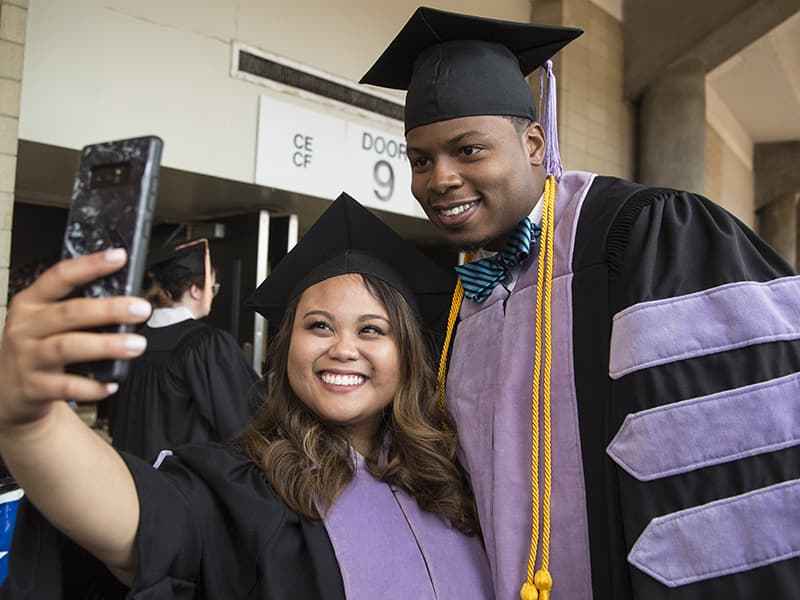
pixel 388 548
pixel 489 393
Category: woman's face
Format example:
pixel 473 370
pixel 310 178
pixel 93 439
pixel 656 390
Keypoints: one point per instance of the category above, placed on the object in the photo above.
pixel 344 361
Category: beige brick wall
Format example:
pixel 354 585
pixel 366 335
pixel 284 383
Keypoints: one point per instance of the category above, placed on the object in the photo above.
pixel 596 123
pixel 13 16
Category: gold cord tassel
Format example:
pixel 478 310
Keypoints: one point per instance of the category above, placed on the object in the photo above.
pixel 538 585
pixel 455 307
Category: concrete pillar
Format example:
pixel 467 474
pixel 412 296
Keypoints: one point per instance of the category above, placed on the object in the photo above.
pixel 777 224
pixel 13 19
pixel 796 263
pixel 673 128
pixel 777 192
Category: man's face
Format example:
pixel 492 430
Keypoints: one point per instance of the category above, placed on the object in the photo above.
pixel 476 177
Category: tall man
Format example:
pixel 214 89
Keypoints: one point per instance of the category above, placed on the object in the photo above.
pixel 628 393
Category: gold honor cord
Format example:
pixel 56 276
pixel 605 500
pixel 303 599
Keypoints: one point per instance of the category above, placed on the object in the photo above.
pixel 455 307
pixel 537 585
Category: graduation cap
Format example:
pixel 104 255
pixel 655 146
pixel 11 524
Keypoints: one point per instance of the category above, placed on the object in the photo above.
pixel 456 65
pixel 178 262
pixel 347 238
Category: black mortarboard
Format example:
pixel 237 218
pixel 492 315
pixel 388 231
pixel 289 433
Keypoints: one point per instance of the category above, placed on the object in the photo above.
pixel 456 65
pixel 347 238
pixel 178 262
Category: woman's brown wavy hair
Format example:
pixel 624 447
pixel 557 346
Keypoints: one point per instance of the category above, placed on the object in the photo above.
pixel 306 459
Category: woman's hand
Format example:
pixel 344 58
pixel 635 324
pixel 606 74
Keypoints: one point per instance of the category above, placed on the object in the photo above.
pixel 43 333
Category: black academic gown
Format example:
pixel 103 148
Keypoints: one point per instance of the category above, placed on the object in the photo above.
pixel 192 384
pixel 673 326
pixel 223 534
pixel 635 246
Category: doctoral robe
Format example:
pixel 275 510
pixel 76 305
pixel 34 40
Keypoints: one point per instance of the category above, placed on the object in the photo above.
pixel 675 403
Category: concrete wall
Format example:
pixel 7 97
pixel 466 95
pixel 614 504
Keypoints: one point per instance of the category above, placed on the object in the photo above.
pixel 103 69
pixel 729 180
pixel 596 122
pixel 777 167
pixel 729 158
pixel 13 14
pixel 777 190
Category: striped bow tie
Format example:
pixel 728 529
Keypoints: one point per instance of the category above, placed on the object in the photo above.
pixel 480 277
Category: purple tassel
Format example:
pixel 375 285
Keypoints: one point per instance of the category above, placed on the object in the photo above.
pixel 549 121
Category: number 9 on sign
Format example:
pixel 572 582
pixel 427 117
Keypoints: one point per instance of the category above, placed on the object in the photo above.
pixel 384 179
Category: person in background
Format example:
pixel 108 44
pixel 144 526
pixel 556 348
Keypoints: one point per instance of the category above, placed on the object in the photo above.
pixel 625 373
pixel 344 485
pixel 193 383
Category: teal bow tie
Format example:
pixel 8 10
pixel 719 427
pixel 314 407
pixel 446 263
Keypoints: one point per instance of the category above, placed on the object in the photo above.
pixel 480 277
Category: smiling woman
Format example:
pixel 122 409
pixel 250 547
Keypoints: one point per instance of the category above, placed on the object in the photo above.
pixel 352 432
pixel 344 359
pixel 345 484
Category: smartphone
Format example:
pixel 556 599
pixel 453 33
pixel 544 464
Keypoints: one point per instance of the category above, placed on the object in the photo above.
pixel 113 199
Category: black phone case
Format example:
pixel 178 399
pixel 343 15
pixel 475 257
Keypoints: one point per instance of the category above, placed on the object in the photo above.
pixel 113 199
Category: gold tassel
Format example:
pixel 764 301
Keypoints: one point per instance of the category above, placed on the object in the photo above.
pixel 538 586
pixel 455 307
pixel 529 592
pixel 542 582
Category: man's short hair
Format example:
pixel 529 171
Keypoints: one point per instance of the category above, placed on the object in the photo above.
pixel 519 123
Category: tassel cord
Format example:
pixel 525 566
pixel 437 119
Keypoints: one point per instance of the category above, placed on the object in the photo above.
pixel 455 307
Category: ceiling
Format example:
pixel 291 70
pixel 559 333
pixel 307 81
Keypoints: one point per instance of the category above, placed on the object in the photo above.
pixel 760 86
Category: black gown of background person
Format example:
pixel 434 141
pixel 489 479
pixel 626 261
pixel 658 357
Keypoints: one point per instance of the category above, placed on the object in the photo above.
pixel 193 384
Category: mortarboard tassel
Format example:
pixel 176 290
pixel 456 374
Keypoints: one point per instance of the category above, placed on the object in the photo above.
pixel 549 120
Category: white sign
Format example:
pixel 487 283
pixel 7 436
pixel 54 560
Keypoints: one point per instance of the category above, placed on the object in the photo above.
pixel 309 151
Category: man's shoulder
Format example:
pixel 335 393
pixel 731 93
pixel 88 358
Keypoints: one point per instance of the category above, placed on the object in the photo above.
pixel 607 188
pixel 618 202
pixel 610 187
pixel 613 206
pixel 605 202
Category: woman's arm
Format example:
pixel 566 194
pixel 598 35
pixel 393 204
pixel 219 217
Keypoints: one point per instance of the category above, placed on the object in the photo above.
pixel 74 478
